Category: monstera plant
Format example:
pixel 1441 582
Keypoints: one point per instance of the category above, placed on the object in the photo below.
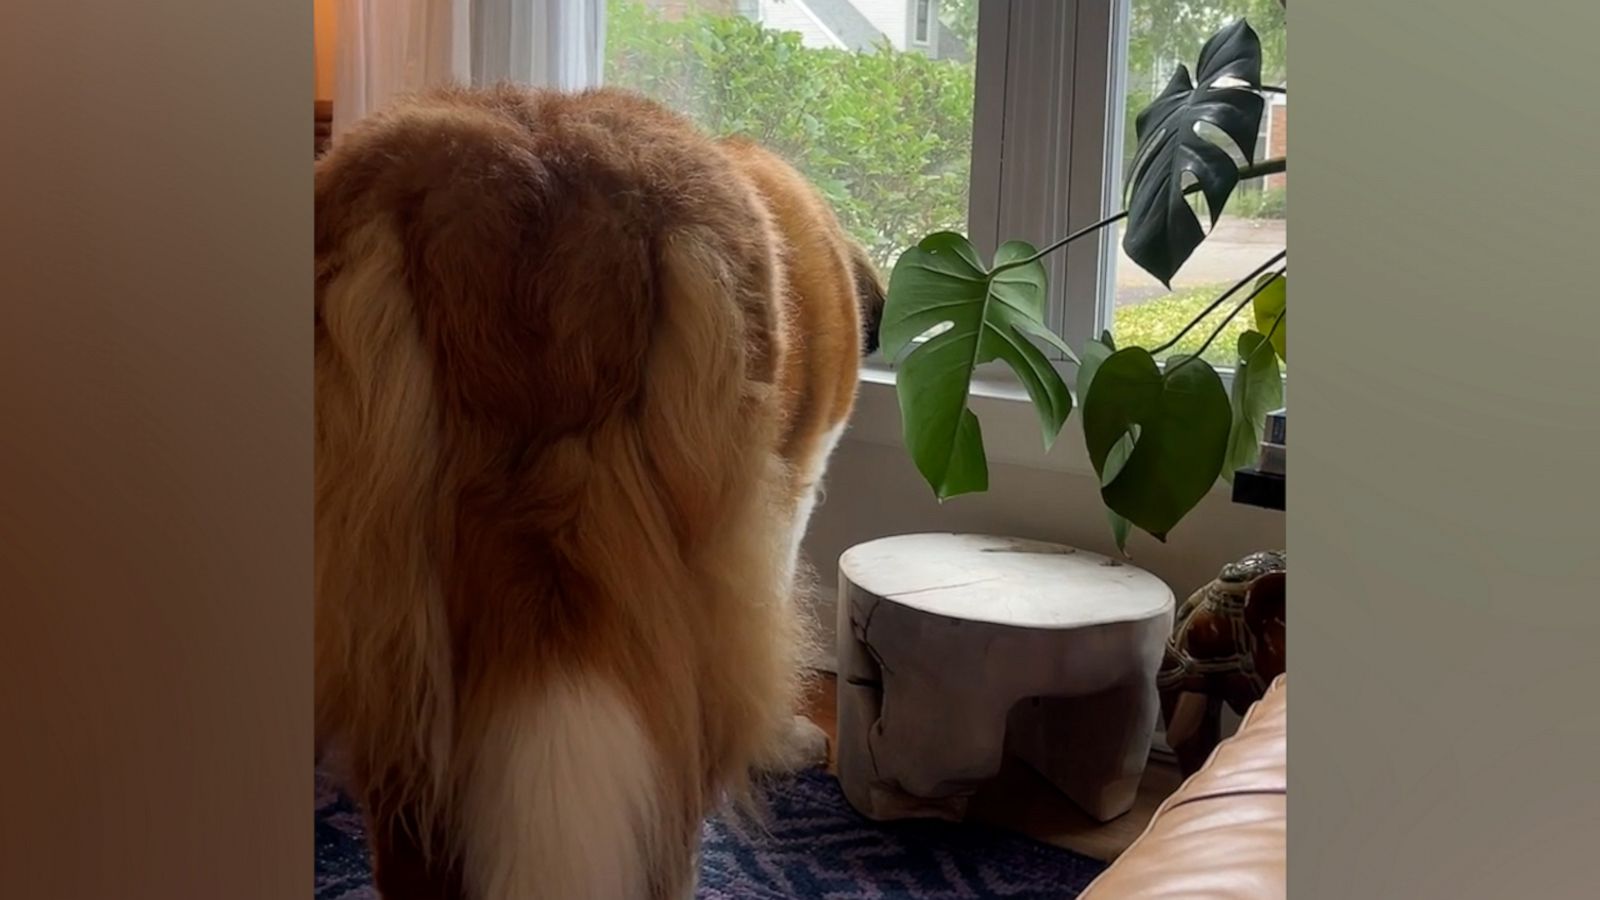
pixel 1159 430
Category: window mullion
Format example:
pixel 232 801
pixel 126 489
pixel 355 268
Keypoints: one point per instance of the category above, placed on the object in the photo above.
pixel 1052 180
pixel 988 124
pixel 1094 154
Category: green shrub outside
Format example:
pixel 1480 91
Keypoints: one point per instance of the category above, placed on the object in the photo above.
pixel 886 136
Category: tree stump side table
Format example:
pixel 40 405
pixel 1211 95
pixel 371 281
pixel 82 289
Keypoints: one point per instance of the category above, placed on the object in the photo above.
pixel 955 650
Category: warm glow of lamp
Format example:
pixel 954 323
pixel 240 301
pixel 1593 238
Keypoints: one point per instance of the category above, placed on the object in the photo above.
pixel 326 31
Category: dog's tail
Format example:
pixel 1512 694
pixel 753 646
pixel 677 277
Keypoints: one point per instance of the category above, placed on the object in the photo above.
pixel 564 799
pixel 591 782
pixel 552 613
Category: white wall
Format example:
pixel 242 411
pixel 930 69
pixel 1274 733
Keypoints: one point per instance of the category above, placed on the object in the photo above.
pixel 873 489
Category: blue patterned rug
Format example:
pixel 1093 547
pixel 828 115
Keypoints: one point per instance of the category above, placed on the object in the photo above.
pixel 814 848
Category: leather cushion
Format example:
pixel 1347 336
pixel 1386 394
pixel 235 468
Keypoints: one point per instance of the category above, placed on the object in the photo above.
pixel 1223 833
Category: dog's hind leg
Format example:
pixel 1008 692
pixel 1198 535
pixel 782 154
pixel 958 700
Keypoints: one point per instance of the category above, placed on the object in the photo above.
pixel 403 869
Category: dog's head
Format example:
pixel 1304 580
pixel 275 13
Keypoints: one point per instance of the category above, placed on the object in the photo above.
pixel 870 296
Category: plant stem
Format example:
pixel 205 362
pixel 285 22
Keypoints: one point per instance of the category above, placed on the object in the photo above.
pixel 1276 321
pixel 1255 170
pixel 1236 310
pixel 1111 220
pixel 1275 166
pixel 1225 320
pixel 1229 293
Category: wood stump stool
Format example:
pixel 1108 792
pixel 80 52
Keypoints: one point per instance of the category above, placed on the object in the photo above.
pixel 955 650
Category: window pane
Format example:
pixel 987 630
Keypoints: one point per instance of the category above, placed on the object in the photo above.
pixel 882 128
pixel 1161 35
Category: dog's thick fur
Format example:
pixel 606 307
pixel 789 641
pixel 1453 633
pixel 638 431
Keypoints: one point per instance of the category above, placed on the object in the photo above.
pixel 578 372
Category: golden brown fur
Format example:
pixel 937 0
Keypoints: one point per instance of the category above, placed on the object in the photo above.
pixel 577 371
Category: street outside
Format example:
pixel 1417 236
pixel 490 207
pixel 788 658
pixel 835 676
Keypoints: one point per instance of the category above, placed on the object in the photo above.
pixel 1233 250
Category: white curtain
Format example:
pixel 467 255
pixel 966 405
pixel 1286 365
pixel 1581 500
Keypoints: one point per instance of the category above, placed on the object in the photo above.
pixel 389 48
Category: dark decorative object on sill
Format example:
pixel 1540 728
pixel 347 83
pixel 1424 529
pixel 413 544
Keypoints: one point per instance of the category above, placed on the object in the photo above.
pixel 1262 489
pixel 1228 642
pixel 1263 484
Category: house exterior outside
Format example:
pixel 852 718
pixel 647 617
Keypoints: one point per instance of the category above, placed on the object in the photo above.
pixel 1276 129
pixel 855 25
pixel 861 25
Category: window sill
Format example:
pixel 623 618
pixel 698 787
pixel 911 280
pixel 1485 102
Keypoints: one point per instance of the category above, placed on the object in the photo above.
pixel 997 383
pixel 1011 432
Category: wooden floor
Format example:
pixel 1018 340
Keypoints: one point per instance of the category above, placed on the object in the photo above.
pixel 1020 800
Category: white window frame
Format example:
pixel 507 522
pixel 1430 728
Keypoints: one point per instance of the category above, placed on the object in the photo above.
pixel 1040 154
pixel 1047 140
pixel 923 38
pixel 1043 131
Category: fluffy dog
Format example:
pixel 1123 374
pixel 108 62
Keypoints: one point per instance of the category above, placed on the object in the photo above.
pixel 579 369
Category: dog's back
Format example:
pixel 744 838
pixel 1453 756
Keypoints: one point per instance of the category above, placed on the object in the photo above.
pixel 558 482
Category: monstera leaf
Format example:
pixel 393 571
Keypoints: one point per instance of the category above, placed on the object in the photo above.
pixel 1178 419
pixel 1094 354
pixel 1269 306
pixel 1162 229
pixel 1257 390
pixel 955 314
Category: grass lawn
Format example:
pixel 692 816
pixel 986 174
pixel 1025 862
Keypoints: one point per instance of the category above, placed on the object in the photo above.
pixel 1154 322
